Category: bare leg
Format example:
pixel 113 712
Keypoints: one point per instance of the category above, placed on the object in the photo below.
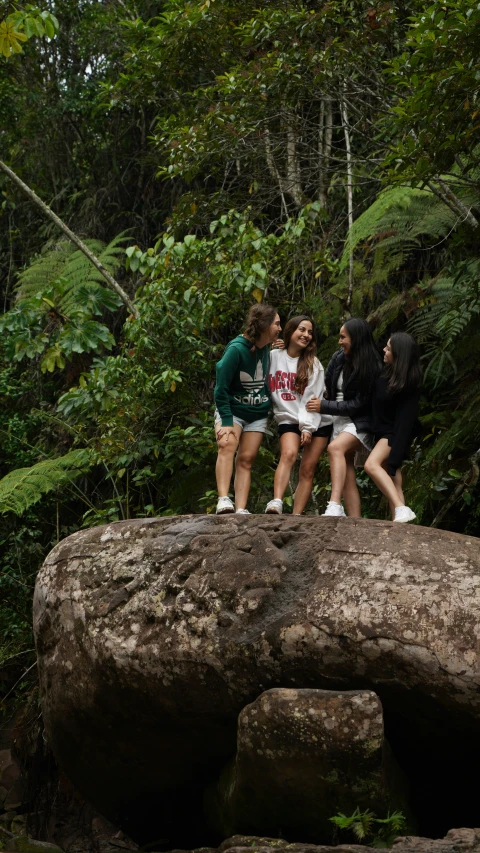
pixel 381 478
pixel 397 480
pixel 351 495
pixel 344 444
pixel 289 447
pixel 249 446
pixel 226 454
pixel 311 455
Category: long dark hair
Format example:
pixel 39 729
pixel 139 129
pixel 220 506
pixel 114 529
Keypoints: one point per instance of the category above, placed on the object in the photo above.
pixel 405 373
pixel 307 356
pixel 259 319
pixel 363 358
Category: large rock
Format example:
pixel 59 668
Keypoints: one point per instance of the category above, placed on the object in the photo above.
pixel 302 756
pixel 152 636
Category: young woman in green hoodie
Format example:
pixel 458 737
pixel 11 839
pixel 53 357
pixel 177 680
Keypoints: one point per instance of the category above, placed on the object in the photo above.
pixel 242 404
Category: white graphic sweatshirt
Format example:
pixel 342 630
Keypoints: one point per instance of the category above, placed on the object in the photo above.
pixel 288 405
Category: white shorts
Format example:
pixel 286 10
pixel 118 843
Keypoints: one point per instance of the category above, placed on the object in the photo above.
pixel 254 426
pixel 342 424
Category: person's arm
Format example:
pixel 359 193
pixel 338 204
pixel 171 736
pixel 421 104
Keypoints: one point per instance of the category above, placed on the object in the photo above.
pixel 273 357
pixel 316 403
pixel 310 421
pixel 227 369
pixel 405 416
pixel 330 372
pixel 347 407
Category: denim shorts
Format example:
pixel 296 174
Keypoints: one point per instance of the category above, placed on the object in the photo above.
pixel 254 426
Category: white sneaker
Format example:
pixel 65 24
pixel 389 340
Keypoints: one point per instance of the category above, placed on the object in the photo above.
pixel 242 512
pixel 274 507
pixel 334 509
pixel 404 514
pixel 224 505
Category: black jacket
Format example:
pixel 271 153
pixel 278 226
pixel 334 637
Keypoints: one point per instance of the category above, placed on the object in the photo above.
pixel 395 418
pixel 354 405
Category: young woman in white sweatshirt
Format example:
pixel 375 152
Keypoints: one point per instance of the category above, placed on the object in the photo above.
pixel 295 375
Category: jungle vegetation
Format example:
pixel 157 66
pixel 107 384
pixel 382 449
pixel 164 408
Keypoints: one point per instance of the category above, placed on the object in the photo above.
pixel 323 156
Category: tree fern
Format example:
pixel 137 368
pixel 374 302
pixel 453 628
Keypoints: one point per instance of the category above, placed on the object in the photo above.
pixel 384 315
pixel 80 279
pixel 441 323
pixel 399 218
pixel 463 434
pixel 390 210
pixel 23 487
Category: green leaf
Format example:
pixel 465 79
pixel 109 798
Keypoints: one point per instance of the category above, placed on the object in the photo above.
pixel 50 29
pixel 25 486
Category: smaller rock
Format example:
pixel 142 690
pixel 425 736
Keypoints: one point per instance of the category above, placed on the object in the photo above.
pixel 22 844
pixel 302 756
pixel 10 781
pixel 18 825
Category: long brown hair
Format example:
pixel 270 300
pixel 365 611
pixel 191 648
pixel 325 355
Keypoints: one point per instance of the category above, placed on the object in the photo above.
pixel 259 319
pixel 307 356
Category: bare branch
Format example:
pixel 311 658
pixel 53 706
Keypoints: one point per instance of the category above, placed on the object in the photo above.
pixel 71 236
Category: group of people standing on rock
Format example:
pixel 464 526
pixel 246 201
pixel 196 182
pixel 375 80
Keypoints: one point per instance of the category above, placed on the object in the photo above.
pixel 360 410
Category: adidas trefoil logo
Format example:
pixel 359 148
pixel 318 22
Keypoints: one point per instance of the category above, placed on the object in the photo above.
pixel 253 385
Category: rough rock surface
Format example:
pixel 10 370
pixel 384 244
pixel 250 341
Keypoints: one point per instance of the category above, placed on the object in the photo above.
pixel 302 756
pixel 456 841
pixel 152 636
pixel 22 844
pixel 10 782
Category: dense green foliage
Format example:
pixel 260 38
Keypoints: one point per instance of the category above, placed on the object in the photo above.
pixel 213 153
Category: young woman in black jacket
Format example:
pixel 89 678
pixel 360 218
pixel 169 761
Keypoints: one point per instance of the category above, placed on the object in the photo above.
pixel 349 381
pixel 394 419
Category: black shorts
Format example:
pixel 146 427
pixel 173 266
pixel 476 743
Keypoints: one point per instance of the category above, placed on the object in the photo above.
pixel 322 432
pixel 387 435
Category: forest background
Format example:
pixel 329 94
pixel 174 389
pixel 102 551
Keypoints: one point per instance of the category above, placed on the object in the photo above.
pixel 321 156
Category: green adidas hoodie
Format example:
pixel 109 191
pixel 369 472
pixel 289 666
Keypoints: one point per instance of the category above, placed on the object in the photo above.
pixel 240 387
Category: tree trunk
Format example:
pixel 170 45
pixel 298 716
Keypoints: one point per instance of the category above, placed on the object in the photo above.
pixel 346 131
pixel 272 168
pixel 114 285
pixel 325 133
pixel 461 208
pixel 294 182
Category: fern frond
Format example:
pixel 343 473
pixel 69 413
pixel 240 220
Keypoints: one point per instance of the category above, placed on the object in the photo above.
pixel 64 261
pixel 441 324
pixel 405 301
pixel 44 269
pixel 400 219
pixel 23 487
pixel 383 218
pixel 464 432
